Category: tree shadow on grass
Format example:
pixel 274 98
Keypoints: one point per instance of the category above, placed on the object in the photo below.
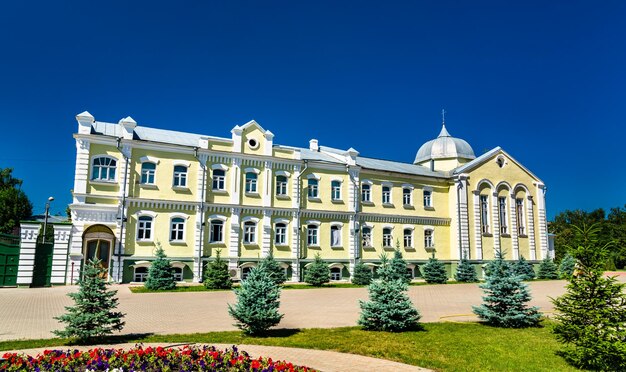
pixel 110 340
pixel 279 333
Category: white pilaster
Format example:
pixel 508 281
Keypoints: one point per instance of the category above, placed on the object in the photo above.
pixel 60 253
pixel 295 227
pixel 495 222
pixel 237 132
pixel 235 184
pixel 233 244
pixel 541 216
pixel 75 250
pixel 478 241
pixel 461 185
pixel 531 229
pixel 85 121
pixel 267 188
pixel 81 171
pixel 514 232
pixel 28 245
pixel 198 227
pixel 295 188
pixel 266 238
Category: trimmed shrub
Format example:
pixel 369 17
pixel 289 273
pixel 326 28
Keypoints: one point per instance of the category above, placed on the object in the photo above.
pixel 257 304
pixel 547 269
pixel 389 308
pixel 93 312
pixel 435 271
pixel 317 273
pixel 216 275
pixel 362 274
pixel 160 273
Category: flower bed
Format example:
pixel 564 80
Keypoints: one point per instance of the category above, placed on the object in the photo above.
pixel 189 358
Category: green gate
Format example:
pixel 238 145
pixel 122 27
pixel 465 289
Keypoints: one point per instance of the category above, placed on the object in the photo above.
pixel 9 259
pixel 43 265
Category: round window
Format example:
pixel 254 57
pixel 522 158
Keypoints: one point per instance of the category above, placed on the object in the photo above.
pixel 254 144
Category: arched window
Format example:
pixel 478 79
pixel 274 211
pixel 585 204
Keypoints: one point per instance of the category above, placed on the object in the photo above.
pixel 144 228
pixel 177 229
pixel 147 173
pixel 312 235
pixel 313 192
pixel 216 234
pixel 280 234
pixel 406 196
pixel 219 177
pixel 519 216
pixel 281 185
pixel 484 213
pixel 387 237
pixel 251 179
pixel 408 238
pixel 249 232
pixel 335 273
pixel 141 274
pixel 335 190
pixel 502 215
pixel 103 169
pixel 180 176
pixel 335 236
pixel 245 271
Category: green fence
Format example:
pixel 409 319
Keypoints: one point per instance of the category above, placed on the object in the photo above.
pixel 9 259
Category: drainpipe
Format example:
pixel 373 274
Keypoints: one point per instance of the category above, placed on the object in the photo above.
pixel 123 217
pixel 298 253
pixel 355 194
pixel 201 243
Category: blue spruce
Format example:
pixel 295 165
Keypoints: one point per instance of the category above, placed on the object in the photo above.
pixel 389 308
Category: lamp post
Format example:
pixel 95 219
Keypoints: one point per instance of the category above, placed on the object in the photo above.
pixel 45 218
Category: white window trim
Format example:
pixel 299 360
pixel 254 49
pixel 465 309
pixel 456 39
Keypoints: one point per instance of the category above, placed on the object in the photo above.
pixel 219 166
pixel 151 214
pixel 340 226
pixel 387 183
pixel 432 236
pixel 390 227
pixel 410 228
pixel 94 157
pixel 149 159
pixel 313 176
pixel 408 186
pixel 185 218
pixel 282 173
pixel 340 189
pixel 382 193
pixel 424 190
pixel 183 163
pixel 256 230
pixel 219 218
pixel 317 224
pixel 286 223
pixel 252 170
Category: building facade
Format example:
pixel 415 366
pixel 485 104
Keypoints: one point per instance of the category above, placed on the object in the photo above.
pixel 138 187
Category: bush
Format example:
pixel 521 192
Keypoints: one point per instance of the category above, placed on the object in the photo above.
pixel 547 269
pixel 389 308
pixel 466 272
pixel 435 271
pixel 216 275
pixel 504 303
pixel 160 274
pixel 362 274
pixel 395 268
pixel 317 273
pixel 93 312
pixel 524 269
pixel 273 269
pixel 566 267
pixel 257 304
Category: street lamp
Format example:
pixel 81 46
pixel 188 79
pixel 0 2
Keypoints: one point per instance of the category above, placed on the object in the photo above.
pixel 45 218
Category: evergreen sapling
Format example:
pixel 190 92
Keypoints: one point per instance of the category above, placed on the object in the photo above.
pixel 317 273
pixel 547 269
pixel 395 268
pixel 273 269
pixel 160 273
pixel 389 308
pixel 524 269
pixel 435 271
pixel 216 275
pixel 93 312
pixel 258 300
pixel 566 267
pixel 466 272
pixel 362 274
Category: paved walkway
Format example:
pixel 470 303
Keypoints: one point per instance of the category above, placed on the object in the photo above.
pixel 327 361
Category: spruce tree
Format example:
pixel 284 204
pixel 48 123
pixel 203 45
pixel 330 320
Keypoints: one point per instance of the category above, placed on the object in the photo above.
pixel 435 271
pixel 547 269
pixel 362 274
pixel 524 269
pixel 466 272
pixel 216 275
pixel 591 314
pixel 160 274
pixel 273 269
pixel 504 303
pixel 389 308
pixel 317 273
pixel 93 312
pixel 395 268
pixel 258 300
pixel 566 267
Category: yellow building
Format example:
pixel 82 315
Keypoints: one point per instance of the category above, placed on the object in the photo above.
pixel 136 187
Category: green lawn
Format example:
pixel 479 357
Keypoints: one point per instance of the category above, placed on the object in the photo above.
pixel 439 346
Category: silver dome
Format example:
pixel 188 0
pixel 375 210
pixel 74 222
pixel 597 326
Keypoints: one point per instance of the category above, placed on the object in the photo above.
pixel 444 147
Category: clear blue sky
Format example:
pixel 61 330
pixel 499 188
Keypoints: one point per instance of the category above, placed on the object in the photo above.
pixel 544 80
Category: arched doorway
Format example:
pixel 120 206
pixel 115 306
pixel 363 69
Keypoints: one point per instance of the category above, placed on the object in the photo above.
pixel 98 242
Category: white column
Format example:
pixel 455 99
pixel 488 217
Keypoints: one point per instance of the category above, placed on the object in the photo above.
pixel 531 228
pixel 235 184
pixel 81 171
pixel 295 187
pixel 60 253
pixel 75 250
pixel 514 232
pixel 295 227
pixel 28 245
pixel 495 217
pixel 233 244
pixel 541 216
pixel 267 189
pixel 266 237
pixel 478 234
pixel 461 185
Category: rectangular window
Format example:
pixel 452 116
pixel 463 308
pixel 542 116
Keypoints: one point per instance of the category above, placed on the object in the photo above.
pixel 180 176
pixel 519 211
pixel 249 232
pixel 502 214
pixel 335 236
pixel 281 185
pixel 217 231
pixel 387 237
pixel 428 239
pixel 144 228
pixel 335 273
pixel 386 195
pixel 484 213
pixel 280 234
pixel 177 229
pixel 311 235
pixel 251 182
pixel 408 238
pixel 366 195
pixel 219 177
pixel 313 188
pixel 336 190
pixel 406 196
pixel 366 237
pixel 147 173
pixel 428 202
